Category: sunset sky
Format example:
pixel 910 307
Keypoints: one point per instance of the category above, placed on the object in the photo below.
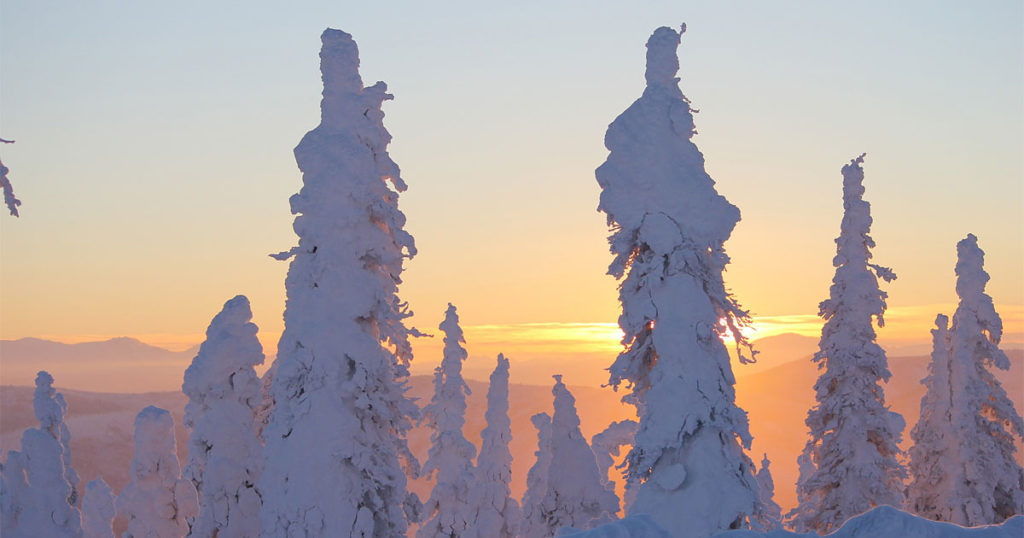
pixel 154 156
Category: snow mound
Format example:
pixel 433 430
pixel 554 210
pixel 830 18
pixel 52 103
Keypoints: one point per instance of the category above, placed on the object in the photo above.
pixel 884 521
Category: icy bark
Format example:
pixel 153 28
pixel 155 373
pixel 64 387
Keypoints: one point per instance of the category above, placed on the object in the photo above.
pixel 448 512
pixel 496 513
pixel 606 446
pixel 338 429
pixel 98 510
pixel 10 201
pixel 157 502
pixel 575 496
pixel 854 436
pixel 962 460
pixel 771 517
pixel 687 466
pixel 532 524
pixel 225 458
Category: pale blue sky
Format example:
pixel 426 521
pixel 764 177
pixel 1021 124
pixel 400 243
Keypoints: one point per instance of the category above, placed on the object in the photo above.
pixel 154 148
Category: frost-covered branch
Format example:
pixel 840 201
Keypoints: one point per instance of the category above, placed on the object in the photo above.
pixel 10 201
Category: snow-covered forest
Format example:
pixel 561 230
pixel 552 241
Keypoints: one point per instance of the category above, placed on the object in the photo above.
pixel 319 445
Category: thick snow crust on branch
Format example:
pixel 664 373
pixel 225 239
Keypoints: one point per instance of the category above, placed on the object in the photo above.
pixel 98 510
pixel 607 444
pixel 449 511
pixel 338 429
pixel 962 462
pixel 532 524
pixel 225 457
pixel 496 512
pixel 669 229
pixel 157 502
pixel 853 449
pixel 10 201
pixel 575 496
pixel 40 495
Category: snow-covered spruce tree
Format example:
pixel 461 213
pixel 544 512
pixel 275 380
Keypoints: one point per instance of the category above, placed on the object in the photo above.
pixel 225 458
pixel 687 467
pixel 854 436
pixel 606 446
pixel 98 510
pixel 771 517
pixel 962 461
pixel 448 512
pixel 935 450
pixel 337 434
pixel 157 502
pixel 40 487
pixel 532 524
pixel 575 496
pixel 495 512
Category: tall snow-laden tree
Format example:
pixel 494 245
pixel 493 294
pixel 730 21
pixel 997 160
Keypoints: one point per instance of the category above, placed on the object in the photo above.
pixel 225 457
pixel 575 495
pixel 687 467
pixel 40 486
pixel 771 518
pixel 962 461
pixel 496 512
pixel 157 502
pixel 98 510
pixel 532 524
pixel 337 434
pixel 853 446
pixel 935 450
pixel 448 512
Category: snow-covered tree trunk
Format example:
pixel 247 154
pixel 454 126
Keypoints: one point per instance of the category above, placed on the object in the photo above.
pixel 40 488
pixel 225 458
pixel 854 436
pixel 962 461
pixel 337 433
pixel 449 511
pixel 532 524
pixel 687 466
pixel 266 401
pixel 157 502
pixel 771 517
pixel 496 512
pixel 98 510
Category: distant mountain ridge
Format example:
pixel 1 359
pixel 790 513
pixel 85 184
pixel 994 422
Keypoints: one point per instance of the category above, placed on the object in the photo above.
pixel 122 365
